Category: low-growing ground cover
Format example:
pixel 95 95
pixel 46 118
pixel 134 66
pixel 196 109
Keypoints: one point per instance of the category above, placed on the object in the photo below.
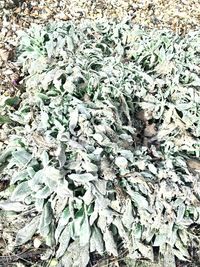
pixel 101 141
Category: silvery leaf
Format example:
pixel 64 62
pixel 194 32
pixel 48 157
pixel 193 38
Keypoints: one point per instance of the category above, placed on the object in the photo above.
pixel 26 233
pixel 22 157
pixel 85 232
pixel 13 206
pixel 83 178
pixel 110 244
pixel 96 241
pixel 21 191
pixel 63 241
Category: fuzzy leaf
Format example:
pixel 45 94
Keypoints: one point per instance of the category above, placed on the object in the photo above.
pixel 21 192
pixel 26 233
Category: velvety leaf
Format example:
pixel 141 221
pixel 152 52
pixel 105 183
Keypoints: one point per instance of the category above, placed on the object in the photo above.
pixel 83 178
pixel 63 241
pixel 22 157
pixel 26 233
pixel 12 206
pixel 110 245
pixel 21 191
pixel 85 232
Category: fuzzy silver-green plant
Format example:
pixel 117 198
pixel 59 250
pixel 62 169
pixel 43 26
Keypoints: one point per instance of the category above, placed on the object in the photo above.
pixel 74 152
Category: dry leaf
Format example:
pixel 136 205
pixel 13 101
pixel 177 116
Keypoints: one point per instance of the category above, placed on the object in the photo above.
pixel 4 54
pixel 144 115
pixel 194 165
pixel 150 130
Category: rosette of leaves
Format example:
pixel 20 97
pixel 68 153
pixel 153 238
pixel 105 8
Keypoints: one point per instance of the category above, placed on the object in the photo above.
pixel 74 154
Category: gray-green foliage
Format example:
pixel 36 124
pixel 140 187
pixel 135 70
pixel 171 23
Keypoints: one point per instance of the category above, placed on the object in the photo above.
pixel 74 152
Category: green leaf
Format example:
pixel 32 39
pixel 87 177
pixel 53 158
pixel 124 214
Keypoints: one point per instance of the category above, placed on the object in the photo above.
pixel 12 101
pixel 5 119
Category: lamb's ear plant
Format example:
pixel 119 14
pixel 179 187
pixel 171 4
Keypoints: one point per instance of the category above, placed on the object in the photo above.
pixel 97 173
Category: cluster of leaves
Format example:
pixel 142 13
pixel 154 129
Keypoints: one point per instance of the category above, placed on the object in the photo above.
pixel 94 170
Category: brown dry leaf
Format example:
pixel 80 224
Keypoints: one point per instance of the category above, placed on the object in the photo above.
pixel 4 54
pixel 150 130
pixel 62 16
pixel 4 184
pixel 194 164
pixel 144 115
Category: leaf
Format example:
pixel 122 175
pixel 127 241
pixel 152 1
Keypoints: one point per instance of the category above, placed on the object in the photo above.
pixel 110 245
pixel 13 206
pixel 96 241
pixel 180 212
pixel 194 164
pixel 78 220
pixel 160 240
pixel 73 120
pixel 146 251
pixel 50 46
pixel 21 192
pixel 127 217
pixel 6 154
pixel 179 255
pixel 121 162
pixel 150 130
pixel 20 176
pixel 152 168
pixel 83 178
pixel 27 232
pixel 127 154
pixel 84 257
pixel 70 44
pixel 63 221
pixel 22 157
pixel 49 176
pixel 89 167
pixel 64 241
pixel 139 200
pixel 88 196
pixel 45 158
pixel 45 220
pixel 182 248
pixel 5 119
pixel 85 232
pixel 52 173
pixel 43 193
pixel 44 121
pixel 12 101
